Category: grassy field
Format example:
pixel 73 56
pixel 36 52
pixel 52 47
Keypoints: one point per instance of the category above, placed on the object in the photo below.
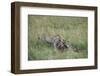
pixel 72 29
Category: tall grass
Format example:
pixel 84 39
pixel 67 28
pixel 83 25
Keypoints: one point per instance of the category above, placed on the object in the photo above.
pixel 72 29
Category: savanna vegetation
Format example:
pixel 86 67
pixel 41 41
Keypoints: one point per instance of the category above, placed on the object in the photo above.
pixel 72 29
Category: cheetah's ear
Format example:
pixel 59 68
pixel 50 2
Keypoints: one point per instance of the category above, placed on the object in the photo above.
pixel 58 36
pixel 66 46
pixel 63 40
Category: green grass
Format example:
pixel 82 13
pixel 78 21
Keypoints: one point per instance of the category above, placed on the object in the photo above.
pixel 72 29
